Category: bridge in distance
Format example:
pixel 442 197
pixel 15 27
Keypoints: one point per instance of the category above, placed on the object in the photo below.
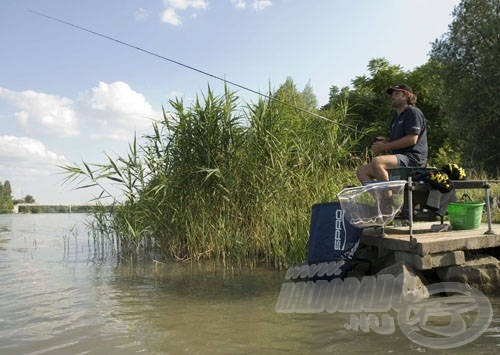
pixel 53 208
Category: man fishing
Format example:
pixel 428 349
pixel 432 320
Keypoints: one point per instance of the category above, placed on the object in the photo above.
pixel 407 141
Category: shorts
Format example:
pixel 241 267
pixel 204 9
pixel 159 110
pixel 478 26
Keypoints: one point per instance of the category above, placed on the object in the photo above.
pixel 406 162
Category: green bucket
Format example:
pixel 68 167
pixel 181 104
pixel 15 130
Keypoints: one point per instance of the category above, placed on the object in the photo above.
pixel 465 215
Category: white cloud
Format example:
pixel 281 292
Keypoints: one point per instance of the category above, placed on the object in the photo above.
pixel 170 14
pixel 108 111
pixel 33 169
pixel 257 5
pixel 45 113
pixel 22 117
pixel 27 156
pixel 261 4
pixel 173 8
pixel 239 4
pixel 141 14
pixel 115 111
pixel 184 4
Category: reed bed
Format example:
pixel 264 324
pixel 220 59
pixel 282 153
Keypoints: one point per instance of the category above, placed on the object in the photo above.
pixel 220 182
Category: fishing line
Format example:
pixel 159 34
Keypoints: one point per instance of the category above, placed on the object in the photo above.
pixel 186 66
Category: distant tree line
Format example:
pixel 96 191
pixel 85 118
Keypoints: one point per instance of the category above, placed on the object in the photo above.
pixel 7 203
pixel 59 209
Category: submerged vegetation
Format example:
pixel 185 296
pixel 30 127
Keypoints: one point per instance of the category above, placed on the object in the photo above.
pixel 217 181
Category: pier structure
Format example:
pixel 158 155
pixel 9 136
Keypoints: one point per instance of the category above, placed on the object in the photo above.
pixel 467 256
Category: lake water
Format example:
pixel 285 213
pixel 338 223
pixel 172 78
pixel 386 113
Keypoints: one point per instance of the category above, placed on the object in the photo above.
pixel 61 295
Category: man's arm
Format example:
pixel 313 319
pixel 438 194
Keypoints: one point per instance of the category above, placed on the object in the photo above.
pixel 403 142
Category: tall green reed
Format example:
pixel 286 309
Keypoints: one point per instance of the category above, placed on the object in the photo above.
pixel 214 181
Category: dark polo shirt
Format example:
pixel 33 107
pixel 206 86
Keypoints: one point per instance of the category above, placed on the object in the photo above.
pixel 411 121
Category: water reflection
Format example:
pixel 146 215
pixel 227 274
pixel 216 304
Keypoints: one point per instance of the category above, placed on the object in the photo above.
pixel 59 295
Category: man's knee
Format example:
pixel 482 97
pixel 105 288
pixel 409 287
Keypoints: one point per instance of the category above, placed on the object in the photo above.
pixel 378 162
pixel 384 162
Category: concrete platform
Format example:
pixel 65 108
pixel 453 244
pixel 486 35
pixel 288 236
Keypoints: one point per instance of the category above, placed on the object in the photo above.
pixel 430 249
pixel 435 254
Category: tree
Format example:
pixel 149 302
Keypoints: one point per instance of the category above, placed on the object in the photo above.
pixel 428 85
pixel 309 97
pixel 6 191
pixel 369 105
pixel 29 199
pixel 469 54
pixel 6 203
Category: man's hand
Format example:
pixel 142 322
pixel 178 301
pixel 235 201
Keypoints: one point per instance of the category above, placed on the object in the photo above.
pixel 379 145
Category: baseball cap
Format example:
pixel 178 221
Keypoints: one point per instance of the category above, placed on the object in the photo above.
pixel 400 87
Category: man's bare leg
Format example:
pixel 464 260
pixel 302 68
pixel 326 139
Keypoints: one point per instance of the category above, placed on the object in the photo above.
pixel 377 168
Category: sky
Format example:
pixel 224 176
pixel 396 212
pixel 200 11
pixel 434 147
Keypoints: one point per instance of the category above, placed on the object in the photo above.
pixel 68 96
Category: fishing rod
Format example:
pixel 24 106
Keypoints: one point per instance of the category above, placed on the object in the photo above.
pixel 186 66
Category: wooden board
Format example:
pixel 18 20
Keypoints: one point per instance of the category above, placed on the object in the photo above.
pixel 428 242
